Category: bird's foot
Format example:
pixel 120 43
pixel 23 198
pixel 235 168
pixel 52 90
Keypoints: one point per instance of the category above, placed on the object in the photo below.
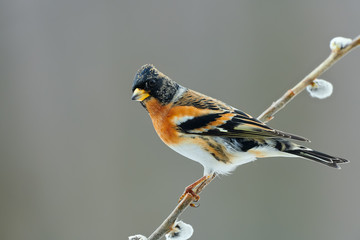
pixel 190 190
pixel 193 188
pixel 195 196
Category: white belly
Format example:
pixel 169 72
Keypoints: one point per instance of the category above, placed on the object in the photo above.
pixel 210 164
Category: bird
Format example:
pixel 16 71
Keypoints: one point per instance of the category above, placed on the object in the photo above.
pixel 216 135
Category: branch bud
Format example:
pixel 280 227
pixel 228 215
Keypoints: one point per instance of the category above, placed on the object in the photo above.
pixel 339 43
pixel 137 237
pixel 180 231
pixel 320 89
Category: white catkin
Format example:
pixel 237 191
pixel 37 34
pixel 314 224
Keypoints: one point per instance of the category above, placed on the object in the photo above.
pixel 137 237
pixel 180 231
pixel 338 43
pixel 321 89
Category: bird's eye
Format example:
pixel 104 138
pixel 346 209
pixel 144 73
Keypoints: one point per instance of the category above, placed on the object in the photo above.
pixel 151 83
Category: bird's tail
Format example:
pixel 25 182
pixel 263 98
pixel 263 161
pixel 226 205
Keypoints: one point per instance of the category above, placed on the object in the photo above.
pixel 316 156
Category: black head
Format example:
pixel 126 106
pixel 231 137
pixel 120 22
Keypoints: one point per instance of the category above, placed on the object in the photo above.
pixel 150 82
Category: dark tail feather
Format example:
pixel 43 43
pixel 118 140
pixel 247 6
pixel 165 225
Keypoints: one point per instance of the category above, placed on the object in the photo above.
pixel 319 157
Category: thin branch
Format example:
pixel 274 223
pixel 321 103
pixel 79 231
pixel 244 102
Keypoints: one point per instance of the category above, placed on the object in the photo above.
pixel 170 220
pixel 166 226
pixel 266 116
pixel 334 56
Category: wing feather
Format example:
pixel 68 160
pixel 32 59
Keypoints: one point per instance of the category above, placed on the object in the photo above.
pixel 225 121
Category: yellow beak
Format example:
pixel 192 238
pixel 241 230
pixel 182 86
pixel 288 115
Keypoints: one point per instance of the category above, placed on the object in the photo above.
pixel 139 95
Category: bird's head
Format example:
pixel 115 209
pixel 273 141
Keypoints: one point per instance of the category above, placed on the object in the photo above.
pixel 151 83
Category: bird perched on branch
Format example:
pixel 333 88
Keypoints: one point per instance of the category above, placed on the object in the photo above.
pixel 208 131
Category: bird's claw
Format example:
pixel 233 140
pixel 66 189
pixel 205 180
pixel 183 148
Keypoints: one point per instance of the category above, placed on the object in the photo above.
pixel 195 197
pixel 194 205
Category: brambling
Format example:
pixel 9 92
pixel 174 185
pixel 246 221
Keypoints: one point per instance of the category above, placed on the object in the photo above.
pixel 213 133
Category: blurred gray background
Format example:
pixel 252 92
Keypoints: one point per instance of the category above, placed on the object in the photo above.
pixel 80 160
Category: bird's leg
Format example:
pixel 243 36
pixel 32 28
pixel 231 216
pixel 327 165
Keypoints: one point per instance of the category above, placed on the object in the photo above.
pixel 200 183
pixel 206 182
pixel 190 189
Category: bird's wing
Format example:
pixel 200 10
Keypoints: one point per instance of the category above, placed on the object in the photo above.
pixel 226 121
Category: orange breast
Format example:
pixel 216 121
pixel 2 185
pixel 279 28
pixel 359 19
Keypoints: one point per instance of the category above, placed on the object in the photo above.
pixel 163 118
pixel 159 116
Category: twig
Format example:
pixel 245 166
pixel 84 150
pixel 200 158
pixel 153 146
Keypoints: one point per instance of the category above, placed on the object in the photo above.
pixel 166 226
pixel 266 116
pixel 334 56
pixel 169 221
